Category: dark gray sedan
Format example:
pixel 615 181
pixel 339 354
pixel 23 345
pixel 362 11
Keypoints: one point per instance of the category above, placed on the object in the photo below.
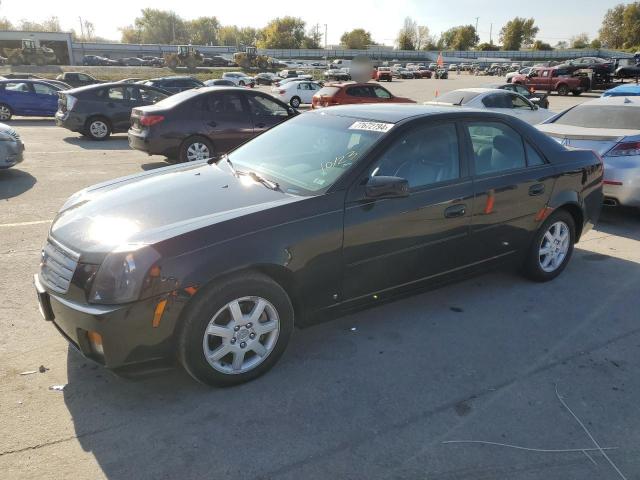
pixel 11 147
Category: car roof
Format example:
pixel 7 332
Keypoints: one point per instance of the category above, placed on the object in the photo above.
pixel 630 101
pixel 171 77
pixel 621 90
pixel 392 113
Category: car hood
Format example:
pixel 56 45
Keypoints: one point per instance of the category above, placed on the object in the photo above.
pixel 154 206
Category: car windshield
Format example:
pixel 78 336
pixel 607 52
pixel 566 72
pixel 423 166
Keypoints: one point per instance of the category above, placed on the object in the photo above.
pixel 602 116
pixel 309 153
pixel 457 97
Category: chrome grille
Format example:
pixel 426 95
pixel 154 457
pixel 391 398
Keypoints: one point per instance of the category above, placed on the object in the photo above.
pixel 57 266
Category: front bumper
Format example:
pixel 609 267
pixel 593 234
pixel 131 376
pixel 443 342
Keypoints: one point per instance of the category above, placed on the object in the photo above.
pixel 128 334
pixel 11 153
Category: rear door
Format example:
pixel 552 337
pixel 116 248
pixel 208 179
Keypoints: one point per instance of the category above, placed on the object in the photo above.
pixel 398 241
pixel 46 98
pixel 513 182
pixel 266 113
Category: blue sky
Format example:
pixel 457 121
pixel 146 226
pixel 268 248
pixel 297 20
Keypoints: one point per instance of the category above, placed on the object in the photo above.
pixel 557 20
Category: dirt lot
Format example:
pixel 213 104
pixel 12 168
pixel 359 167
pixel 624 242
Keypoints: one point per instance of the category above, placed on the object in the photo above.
pixel 377 394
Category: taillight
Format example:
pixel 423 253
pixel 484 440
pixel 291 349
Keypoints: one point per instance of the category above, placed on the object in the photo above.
pixel 71 102
pixel 149 120
pixel 624 149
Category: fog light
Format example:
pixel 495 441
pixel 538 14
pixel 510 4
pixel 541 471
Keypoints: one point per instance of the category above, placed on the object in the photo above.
pixel 95 341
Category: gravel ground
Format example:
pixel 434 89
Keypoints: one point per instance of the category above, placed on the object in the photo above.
pixel 377 394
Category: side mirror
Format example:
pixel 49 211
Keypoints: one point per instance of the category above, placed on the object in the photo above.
pixel 386 187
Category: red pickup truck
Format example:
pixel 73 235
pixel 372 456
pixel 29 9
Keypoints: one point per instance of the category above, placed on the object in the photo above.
pixel 551 79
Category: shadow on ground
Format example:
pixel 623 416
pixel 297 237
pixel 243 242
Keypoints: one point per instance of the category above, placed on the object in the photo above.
pixel 114 142
pixel 374 394
pixel 14 182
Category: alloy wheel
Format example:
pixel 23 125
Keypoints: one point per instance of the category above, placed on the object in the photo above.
pixel 554 246
pixel 197 151
pixel 241 335
pixel 98 129
pixel 5 113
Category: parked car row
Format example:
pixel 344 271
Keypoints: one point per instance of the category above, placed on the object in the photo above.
pixel 144 61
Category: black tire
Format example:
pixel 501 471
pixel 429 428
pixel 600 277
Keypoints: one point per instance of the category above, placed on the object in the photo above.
pixel 295 102
pixel 5 112
pixel 210 301
pixel 183 154
pixel 98 128
pixel 576 93
pixel 563 90
pixel 241 83
pixel 532 267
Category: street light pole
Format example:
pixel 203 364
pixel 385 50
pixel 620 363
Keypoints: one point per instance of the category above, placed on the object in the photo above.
pixel 325 36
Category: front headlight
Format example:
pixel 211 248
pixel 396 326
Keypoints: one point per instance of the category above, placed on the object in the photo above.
pixel 123 275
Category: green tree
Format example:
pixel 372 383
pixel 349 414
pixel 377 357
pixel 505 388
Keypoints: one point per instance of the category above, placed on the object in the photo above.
pixel 631 25
pixel 561 45
pixel 203 31
pixel 488 47
pixel 462 37
pixel 407 36
pixel 596 43
pixel 579 41
pixel 611 32
pixel 540 45
pixel 51 24
pixel 313 38
pixel 357 38
pixel 5 24
pixel 424 39
pixel 229 35
pixel 157 26
pixel 518 32
pixel 284 32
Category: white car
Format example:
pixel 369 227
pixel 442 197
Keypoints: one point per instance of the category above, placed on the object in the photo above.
pixel 523 71
pixel 609 126
pixel 297 93
pixel 238 78
pixel 499 101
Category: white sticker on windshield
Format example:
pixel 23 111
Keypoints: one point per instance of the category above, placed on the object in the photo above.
pixel 372 126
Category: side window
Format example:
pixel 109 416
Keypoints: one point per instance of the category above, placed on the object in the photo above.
pixel 545 73
pixel 521 90
pixel 83 77
pixel 425 155
pixel 44 89
pixel 519 102
pixel 148 95
pixel 265 107
pixel 17 87
pixel 72 77
pixel 496 146
pixel 497 100
pixel 225 104
pixel 358 92
pixel 381 92
pixel 533 157
pixel 115 93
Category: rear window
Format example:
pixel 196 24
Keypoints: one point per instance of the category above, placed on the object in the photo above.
pixel 602 116
pixel 459 97
pixel 328 91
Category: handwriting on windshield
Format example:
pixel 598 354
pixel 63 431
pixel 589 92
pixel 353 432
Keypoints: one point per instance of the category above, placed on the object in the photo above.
pixel 342 161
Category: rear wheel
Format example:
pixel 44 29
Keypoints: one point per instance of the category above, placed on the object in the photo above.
pixel 195 149
pixel 98 128
pixel 551 248
pixel 295 102
pixel 563 90
pixel 576 92
pixel 236 330
pixel 5 112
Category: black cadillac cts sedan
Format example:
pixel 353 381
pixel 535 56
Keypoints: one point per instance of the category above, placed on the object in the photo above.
pixel 214 263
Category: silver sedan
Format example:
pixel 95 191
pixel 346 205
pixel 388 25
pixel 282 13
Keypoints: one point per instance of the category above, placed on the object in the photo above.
pixel 11 147
pixel 611 127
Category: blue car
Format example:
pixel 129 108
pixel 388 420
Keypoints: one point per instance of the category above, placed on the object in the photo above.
pixel 628 90
pixel 24 97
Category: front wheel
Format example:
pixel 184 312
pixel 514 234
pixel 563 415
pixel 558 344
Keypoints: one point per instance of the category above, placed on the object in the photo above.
pixel 236 330
pixel 295 102
pixel 551 247
pixel 563 90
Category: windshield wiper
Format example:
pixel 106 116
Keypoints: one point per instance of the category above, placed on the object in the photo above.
pixel 257 178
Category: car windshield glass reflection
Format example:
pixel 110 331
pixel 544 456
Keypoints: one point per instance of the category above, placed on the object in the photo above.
pixel 307 154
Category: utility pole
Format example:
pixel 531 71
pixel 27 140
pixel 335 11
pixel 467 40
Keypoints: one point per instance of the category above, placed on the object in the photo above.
pixel 477 18
pixel 81 28
pixel 491 35
pixel 325 36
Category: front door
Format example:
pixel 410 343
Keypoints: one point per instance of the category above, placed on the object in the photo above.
pixel 228 121
pixel 393 242
pixel 512 185
pixel 118 109
pixel 266 113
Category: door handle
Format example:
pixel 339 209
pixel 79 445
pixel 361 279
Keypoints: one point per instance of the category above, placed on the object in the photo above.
pixel 213 124
pixel 537 189
pixel 455 211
